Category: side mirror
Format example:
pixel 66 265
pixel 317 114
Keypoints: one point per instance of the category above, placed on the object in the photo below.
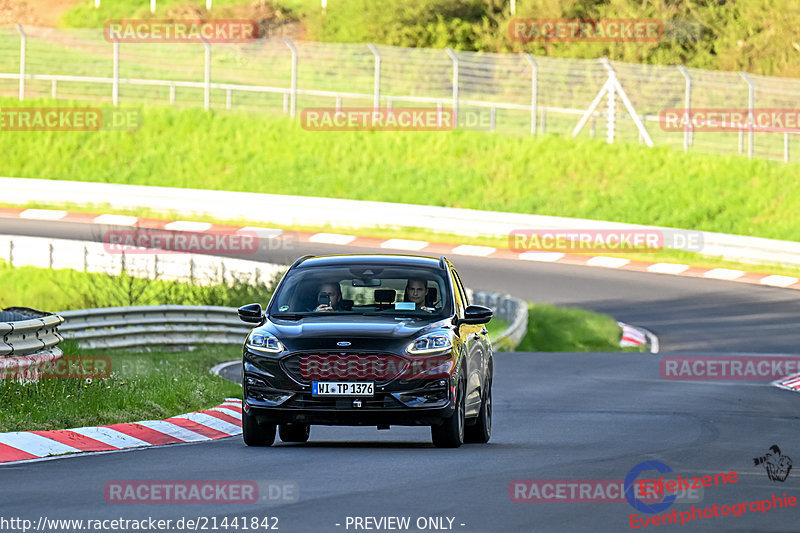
pixel 476 314
pixel 251 313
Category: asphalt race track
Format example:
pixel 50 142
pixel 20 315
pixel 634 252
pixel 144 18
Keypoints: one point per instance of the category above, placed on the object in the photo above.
pixel 556 417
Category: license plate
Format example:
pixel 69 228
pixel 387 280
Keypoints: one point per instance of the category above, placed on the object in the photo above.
pixel 342 388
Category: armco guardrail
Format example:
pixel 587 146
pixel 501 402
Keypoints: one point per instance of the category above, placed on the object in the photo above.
pixel 27 339
pixel 127 327
pixel 312 211
pixel 130 327
pixel 512 310
pixel 23 334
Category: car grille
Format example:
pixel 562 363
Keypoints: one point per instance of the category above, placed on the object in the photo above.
pixel 379 401
pixel 380 368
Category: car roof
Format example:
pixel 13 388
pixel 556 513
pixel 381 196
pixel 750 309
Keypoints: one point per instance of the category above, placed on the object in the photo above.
pixel 370 259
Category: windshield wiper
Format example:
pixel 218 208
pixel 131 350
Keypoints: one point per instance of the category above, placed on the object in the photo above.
pixel 289 316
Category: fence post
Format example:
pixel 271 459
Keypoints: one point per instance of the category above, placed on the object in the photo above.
pixel 455 84
pixel 750 114
pixel 96 4
pixel 23 42
pixel 206 74
pixel 688 130
pixel 786 147
pixel 534 91
pixel 293 97
pixel 11 253
pixel 115 84
pixel 50 257
pixel 208 4
pixel 611 109
pixel 152 6
pixel 376 99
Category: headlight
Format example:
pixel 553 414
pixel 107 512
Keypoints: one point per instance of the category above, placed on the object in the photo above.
pixel 264 343
pixel 433 343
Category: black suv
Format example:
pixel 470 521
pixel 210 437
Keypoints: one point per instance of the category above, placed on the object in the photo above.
pixel 368 340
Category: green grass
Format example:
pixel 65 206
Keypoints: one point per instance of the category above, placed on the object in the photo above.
pixel 142 386
pixel 543 175
pixel 496 326
pixel 65 289
pixel 85 15
pixel 559 329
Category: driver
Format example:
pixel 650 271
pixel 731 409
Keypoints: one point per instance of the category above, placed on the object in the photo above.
pixel 333 291
pixel 416 289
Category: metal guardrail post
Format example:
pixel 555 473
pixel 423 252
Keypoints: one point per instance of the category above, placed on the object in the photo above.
pixel 688 131
pixel 534 91
pixel 454 58
pixel 115 83
pixel 750 114
pixel 23 43
pixel 206 75
pixel 293 94
pixel 376 98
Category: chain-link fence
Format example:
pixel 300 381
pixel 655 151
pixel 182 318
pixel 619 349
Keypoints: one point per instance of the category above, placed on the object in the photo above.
pixel 518 93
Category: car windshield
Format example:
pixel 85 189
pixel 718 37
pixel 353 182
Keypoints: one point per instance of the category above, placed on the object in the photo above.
pixel 362 289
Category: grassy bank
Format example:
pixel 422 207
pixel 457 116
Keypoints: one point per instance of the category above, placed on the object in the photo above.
pixel 62 290
pixel 559 329
pixel 542 175
pixel 142 386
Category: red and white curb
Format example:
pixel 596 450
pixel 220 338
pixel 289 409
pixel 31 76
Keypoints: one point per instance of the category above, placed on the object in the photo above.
pixel 791 383
pixel 635 336
pixel 432 248
pixel 224 420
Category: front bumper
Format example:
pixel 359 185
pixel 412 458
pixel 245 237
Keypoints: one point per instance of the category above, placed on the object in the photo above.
pixel 274 397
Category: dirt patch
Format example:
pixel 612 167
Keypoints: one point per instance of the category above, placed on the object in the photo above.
pixel 34 12
pixel 273 23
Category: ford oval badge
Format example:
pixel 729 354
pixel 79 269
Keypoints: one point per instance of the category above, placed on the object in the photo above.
pixel 342 343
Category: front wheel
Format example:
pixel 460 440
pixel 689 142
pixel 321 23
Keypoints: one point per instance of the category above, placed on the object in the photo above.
pixel 481 431
pixel 255 434
pixel 450 433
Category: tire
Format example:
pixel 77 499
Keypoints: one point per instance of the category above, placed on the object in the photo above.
pixel 294 432
pixel 254 434
pixel 481 431
pixel 450 433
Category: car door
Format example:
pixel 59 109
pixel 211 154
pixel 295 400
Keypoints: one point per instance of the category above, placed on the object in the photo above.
pixel 474 349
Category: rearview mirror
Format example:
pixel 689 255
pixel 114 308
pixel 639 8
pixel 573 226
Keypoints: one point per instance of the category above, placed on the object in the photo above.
pixel 251 313
pixel 476 314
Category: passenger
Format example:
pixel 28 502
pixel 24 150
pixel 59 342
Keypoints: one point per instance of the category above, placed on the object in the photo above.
pixel 333 291
pixel 416 290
